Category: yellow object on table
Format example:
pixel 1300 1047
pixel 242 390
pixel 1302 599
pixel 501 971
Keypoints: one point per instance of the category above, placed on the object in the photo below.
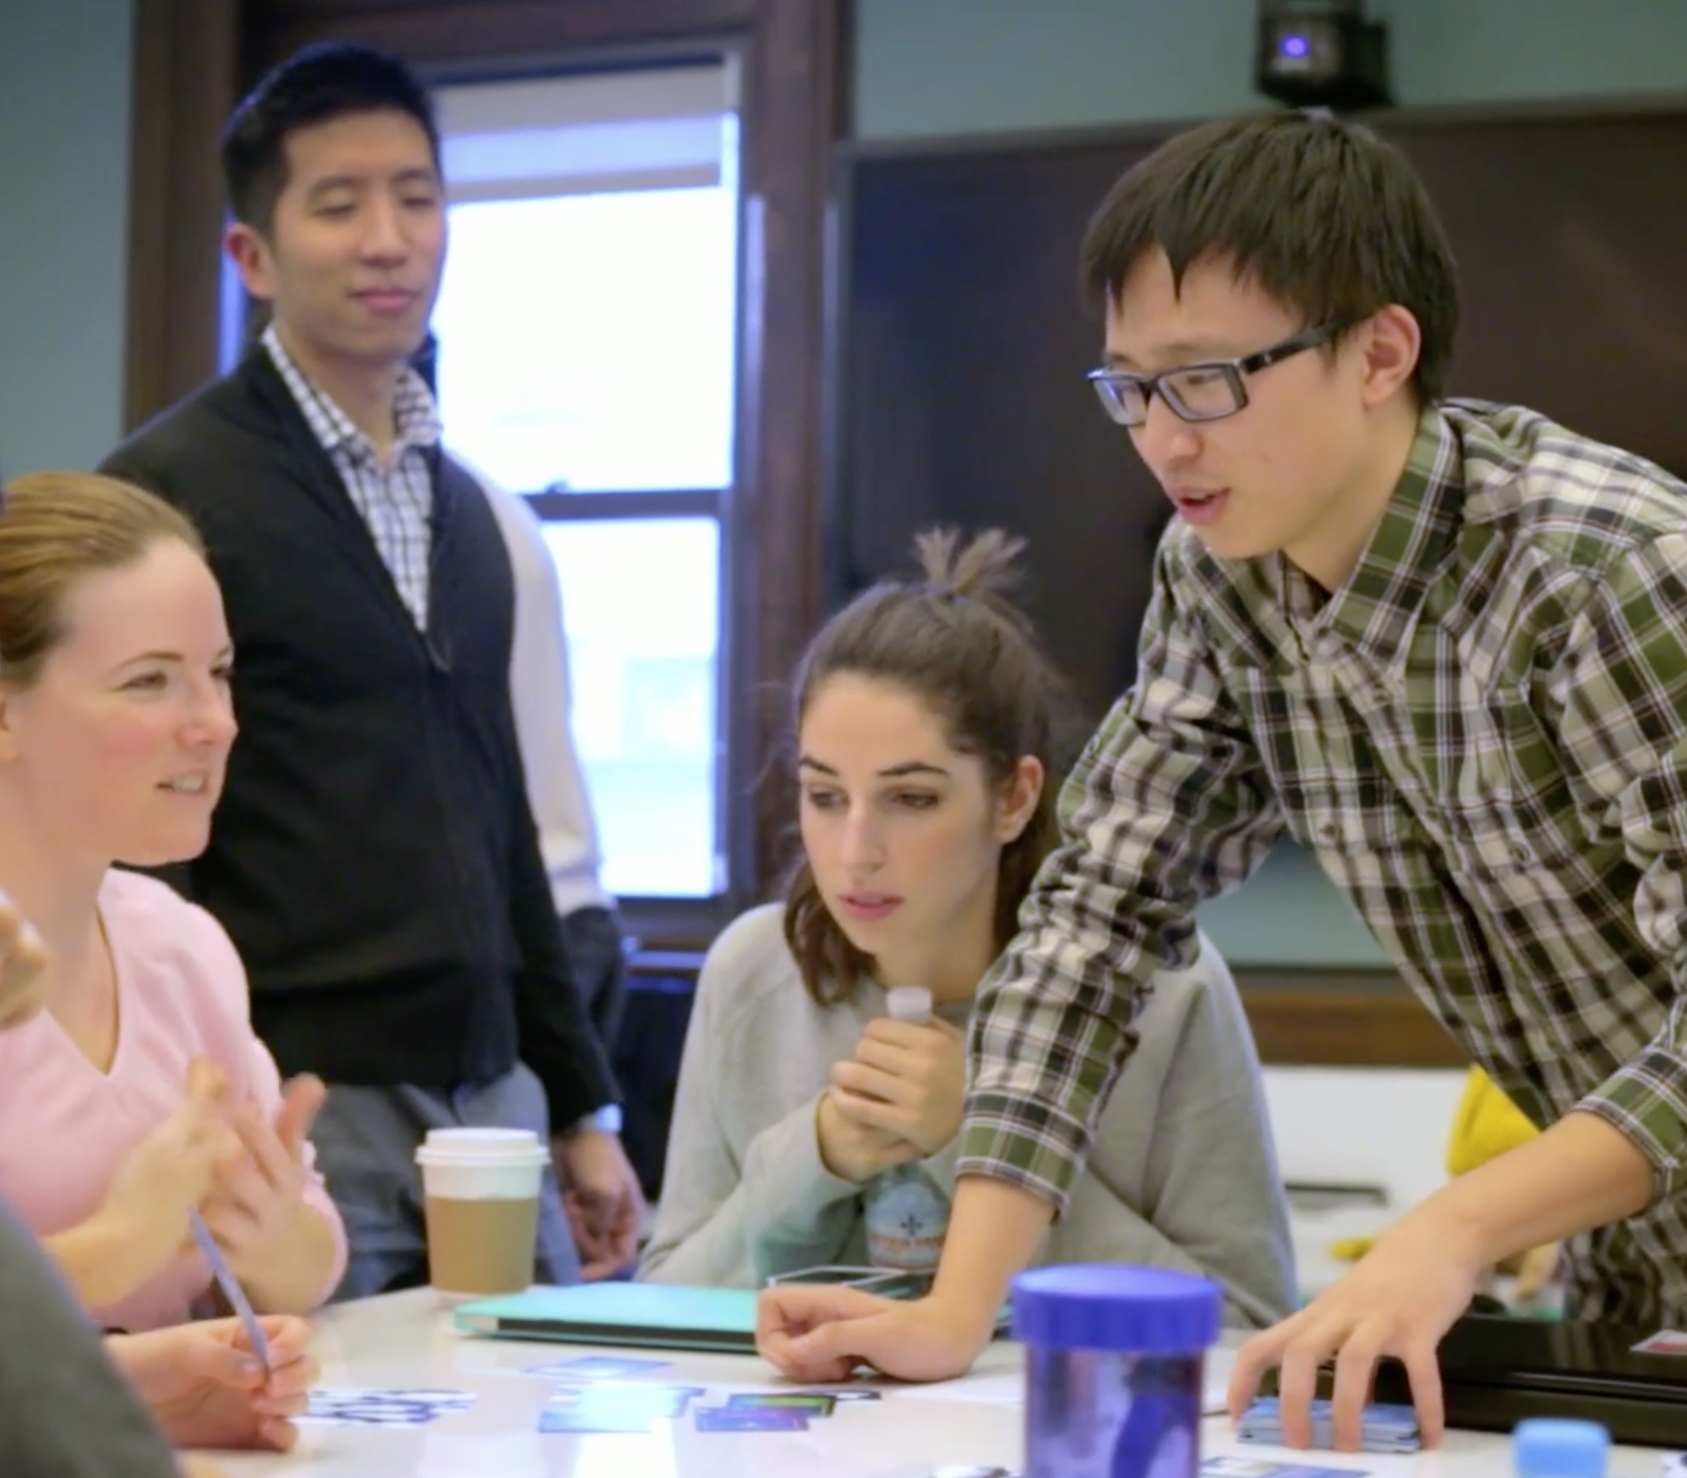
pixel 1485 1125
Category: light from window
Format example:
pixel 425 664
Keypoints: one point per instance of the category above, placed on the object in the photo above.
pixel 586 335
pixel 641 603
pixel 586 341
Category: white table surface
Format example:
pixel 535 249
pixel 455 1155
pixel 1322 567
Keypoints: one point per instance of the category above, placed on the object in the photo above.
pixel 406 1340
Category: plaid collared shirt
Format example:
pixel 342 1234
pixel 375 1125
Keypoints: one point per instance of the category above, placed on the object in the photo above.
pixel 395 500
pixel 1482 736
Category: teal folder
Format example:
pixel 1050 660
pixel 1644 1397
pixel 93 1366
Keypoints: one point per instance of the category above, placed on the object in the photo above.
pixel 652 1315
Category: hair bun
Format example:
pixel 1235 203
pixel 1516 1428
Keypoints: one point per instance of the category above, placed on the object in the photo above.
pixel 986 567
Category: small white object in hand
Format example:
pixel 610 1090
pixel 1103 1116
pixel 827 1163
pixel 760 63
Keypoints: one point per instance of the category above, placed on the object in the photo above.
pixel 909 1003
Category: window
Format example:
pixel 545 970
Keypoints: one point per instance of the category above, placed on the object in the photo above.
pixel 585 341
pixel 585 356
pixel 645 670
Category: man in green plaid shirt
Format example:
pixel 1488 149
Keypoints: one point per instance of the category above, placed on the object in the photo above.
pixel 1441 644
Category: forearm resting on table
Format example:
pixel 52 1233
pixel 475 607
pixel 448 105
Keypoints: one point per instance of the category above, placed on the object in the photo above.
pixel 98 1261
pixel 1581 1173
pixel 994 1229
pixel 295 1279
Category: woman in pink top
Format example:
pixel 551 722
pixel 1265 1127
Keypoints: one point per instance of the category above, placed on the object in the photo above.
pixel 139 1093
pixel 201 1382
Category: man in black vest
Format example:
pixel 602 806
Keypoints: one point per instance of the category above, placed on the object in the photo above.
pixel 374 856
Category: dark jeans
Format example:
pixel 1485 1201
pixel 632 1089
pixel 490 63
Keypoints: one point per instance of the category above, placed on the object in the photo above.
pixel 592 937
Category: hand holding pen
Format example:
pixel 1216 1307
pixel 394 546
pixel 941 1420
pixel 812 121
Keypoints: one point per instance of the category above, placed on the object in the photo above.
pixel 206 1387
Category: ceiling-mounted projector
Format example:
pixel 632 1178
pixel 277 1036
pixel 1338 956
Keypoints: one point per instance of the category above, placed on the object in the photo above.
pixel 1322 54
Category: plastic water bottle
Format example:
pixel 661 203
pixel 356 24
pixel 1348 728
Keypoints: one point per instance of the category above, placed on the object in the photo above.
pixel 908 1003
pixel 1559 1447
pixel 907 1211
pixel 1113 1380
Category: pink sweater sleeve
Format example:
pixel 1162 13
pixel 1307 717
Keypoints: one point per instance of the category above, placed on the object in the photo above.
pixel 251 1067
pixel 188 986
pixel 264 1089
pixel 68 1124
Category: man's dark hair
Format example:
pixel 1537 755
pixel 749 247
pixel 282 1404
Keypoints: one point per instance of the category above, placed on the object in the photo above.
pixel 322 82
pixel 1320 214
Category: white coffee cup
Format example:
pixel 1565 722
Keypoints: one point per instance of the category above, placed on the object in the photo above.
pixel 481 1190
pixel 482 1164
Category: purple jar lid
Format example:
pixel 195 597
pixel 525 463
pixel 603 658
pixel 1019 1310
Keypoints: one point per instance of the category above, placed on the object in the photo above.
pixel 1109 1306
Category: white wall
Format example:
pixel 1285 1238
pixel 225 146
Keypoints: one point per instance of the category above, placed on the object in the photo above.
pixel 1357 1126
pixel 1364 1126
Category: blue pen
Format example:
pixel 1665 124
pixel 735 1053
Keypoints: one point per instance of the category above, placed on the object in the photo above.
pixel 232 1291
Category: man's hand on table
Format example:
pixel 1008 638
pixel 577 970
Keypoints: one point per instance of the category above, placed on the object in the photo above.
pixel 1398 1300
pixel 818 1334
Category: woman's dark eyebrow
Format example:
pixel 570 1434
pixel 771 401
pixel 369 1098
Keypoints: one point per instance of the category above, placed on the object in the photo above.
pixel 894 772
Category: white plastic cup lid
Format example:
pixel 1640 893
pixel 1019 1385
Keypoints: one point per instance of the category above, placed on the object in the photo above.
pixel 480 1146
pixel 909 1003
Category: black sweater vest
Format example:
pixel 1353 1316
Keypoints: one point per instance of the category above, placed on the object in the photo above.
pixel 373 857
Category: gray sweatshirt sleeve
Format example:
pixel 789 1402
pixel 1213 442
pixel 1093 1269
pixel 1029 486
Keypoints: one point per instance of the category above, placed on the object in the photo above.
pixel 1189 1179
pixel 1213 1166
pixel 65 1412
pixel 722 1221
pixel 1254 1293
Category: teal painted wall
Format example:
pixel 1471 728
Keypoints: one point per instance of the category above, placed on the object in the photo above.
pixel 933 67
pixel 64 229
pixel 974 66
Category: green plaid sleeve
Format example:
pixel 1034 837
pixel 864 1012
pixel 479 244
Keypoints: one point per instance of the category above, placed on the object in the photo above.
pixel 1624 676
pixel 1167 805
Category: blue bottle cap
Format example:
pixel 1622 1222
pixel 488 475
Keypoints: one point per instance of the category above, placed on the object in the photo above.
pixel 1559 1447
pixel 1107 1306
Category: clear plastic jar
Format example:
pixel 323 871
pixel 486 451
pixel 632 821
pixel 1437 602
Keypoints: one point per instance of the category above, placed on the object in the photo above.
pixel 1113 1380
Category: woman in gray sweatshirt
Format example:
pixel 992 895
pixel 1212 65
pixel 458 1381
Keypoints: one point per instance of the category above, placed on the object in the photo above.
pixel 812 1128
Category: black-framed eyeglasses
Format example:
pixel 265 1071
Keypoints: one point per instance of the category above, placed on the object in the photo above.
pixel 1208 391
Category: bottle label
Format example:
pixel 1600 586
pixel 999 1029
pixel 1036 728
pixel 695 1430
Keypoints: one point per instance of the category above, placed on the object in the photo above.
pixel 907 1215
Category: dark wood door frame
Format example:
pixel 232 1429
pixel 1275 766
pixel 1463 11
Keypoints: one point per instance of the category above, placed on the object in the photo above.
pixel 194 57
pixel 185 66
